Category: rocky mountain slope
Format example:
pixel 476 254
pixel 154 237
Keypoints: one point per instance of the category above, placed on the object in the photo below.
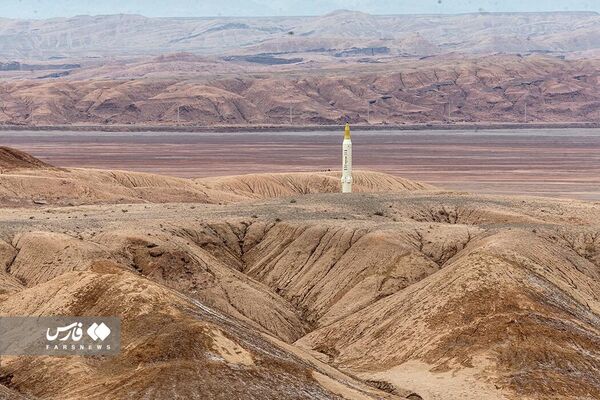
pixel 129 69
pixel 414 293
pixel 492 89
pixel 127 35
pixel 11 159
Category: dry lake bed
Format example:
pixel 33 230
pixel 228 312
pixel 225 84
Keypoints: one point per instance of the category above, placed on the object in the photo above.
pixel 553 162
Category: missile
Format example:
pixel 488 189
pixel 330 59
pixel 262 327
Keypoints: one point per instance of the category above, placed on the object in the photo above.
pixel 347 161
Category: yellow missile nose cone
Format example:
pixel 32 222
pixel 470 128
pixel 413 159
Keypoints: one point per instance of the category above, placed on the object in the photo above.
pixel 347 131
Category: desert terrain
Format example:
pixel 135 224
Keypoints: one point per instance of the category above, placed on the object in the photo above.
pixel 128 70
pixel 540 162
pixel 272 286
pixel 177 173
pixel 341 32
pixel 174 90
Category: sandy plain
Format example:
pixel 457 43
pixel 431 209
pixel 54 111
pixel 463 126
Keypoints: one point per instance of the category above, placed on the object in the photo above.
pixel 554 162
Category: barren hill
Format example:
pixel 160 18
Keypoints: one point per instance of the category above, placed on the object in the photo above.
pixel 419 293
pixel 285 185
pixel 126 35
pixel 129 69
pixel 27 181
pixel 192 91
pixel 178 348
pixel 13 159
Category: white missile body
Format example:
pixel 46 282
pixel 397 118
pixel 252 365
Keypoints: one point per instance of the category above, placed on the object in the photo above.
pixel 347 161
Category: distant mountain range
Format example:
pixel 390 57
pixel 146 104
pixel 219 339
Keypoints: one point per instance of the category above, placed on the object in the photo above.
pixel 343 66
pixel 334 33
pixel 192 91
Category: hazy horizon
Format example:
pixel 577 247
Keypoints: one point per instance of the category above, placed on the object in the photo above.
pixel 43 9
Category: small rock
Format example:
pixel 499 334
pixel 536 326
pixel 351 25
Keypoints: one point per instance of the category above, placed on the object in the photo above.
pixel 156 253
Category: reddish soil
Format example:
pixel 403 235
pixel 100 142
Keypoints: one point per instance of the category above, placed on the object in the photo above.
pixel 11 158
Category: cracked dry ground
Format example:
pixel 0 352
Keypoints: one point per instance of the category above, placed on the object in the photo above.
pixel 422 294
